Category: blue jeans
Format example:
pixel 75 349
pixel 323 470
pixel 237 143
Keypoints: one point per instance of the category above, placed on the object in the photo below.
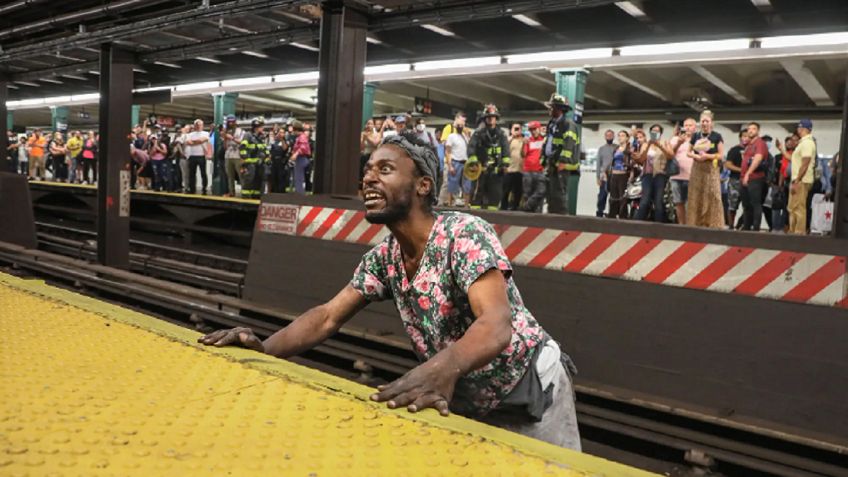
pixel 161 174
pixel 602 199
pixel 653 189
pixel 300 165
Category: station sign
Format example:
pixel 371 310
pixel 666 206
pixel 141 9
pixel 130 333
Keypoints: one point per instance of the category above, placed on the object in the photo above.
pixel 428 107
pixel 277 219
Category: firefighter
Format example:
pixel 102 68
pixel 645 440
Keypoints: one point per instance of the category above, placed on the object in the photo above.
pixel 490 147
pixel 254 154
pixel 560 155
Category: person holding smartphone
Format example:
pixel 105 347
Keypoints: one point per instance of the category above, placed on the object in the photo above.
pixel 653 154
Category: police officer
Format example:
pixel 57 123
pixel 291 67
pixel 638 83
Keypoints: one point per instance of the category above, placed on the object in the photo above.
pixel 490 146
pixel 254 153
pixel 560 155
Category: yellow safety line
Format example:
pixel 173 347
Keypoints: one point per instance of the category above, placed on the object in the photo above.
pixel 317 379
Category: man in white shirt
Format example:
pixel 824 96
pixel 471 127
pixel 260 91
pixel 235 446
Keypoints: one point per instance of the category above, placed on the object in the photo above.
pixel 456 154
pixel 196 148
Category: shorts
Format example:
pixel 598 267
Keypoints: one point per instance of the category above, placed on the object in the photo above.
pixel 734 193
pixel 458 180
pixel 679 191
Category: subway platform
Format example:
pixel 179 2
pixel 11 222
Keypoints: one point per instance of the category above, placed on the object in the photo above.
pixel 90 388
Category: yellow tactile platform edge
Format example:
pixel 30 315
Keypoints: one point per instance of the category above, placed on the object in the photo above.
pixel 90 388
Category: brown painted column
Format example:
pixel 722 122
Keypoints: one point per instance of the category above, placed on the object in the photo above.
pixel 341 64
pixel 5 166
pixel 113 167
pixel 840 194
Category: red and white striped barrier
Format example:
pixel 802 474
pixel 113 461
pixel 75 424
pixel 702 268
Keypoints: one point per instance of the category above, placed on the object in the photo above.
pixel 790 276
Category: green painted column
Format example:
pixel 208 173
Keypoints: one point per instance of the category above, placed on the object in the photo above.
pixel 224 104
pixel 10 119
pixel 571 83
pixel 135 115
pixel 59 117
pixel 368 102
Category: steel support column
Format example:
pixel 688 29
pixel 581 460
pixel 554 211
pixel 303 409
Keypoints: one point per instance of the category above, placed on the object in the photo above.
pixel 341 63
pixel 571 84
pixel 223 104
pixel 5 165
pixel 59 118
pixel 135 115
pixel 113 168
pixel 840 195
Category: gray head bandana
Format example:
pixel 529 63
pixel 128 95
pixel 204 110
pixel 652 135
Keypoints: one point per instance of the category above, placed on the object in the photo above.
pixel 423 156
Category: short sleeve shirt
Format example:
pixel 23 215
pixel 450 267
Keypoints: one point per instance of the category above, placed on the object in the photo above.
pixel 435 308
pixel 196 149
pixel 708 143
pixel 757 146
pixel 806 148
pixel 459 147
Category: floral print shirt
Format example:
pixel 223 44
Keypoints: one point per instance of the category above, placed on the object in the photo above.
pixel 435 309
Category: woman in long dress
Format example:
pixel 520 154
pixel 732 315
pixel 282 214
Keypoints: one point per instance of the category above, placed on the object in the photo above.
pixel 704 203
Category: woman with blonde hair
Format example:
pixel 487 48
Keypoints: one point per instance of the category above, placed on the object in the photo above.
pixel 704 206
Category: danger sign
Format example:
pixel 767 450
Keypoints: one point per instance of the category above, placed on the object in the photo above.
pixel 277 219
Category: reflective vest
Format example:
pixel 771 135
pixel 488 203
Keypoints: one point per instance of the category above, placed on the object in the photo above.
pixel 253 149
pixel 487 149
pixel 565 145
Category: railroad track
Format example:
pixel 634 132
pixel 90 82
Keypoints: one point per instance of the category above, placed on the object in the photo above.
pixel 203 298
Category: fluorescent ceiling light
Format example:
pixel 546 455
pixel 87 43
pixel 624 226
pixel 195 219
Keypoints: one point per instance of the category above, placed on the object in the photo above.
pixel 527 20
pixel 385 69
pixel 30 102
pixel 457 63
pixel 50 80
pixel 819 39
pixel 169 65
pixel 632 9
pixel 304 46
pixel 761 3
pixel 76 77
pixel 685 47
pixel 438 29
pixel 308 76
pixel 208 60
pixel 372 40
pixel 584 54
pixel 92 72
pixel 57 99
pixel 152 88
pixel 86 97
pixel 257 54
pixel 27 83
pixel 139 70
pixel 9 85
pixel 247 81
pixel 196 86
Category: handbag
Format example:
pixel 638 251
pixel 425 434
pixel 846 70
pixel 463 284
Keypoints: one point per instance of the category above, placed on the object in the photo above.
pixel 672 167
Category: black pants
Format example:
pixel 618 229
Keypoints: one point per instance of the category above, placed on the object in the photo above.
pixel 89 165
pixel 195 162
pixel 280 174
pixel 752 204
pixel 511 191
pixel 488 188
pixel 558 192
pixel 534 187
pixel 617 202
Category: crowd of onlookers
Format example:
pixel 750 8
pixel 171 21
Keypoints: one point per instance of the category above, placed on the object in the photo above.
pixel 692 176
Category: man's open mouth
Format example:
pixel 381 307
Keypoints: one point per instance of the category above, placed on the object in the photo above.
pixel 373 199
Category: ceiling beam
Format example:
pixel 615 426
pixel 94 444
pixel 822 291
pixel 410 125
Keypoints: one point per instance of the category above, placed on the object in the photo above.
pixel 733 87
pixel 628 79
pixel 807 81
pixel 491 83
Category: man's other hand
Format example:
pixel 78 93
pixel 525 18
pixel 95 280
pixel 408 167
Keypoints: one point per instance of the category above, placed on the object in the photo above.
pixel 233 337
pixel 429 385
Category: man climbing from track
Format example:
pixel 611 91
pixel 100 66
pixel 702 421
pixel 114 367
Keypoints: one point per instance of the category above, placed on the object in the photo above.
pixel 482 353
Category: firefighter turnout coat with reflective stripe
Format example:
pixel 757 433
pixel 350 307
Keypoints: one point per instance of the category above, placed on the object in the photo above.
pixel 489 146
pixel 563 152
pixel 253 152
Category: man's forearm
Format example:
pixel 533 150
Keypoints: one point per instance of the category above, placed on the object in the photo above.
pixel 304 333
pixel 483 342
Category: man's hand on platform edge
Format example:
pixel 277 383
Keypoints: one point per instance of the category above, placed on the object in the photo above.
pixel 239 336
pixel 429 385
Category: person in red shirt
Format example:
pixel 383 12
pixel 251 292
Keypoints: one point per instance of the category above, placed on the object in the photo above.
pixel 533 180
pixel 754 164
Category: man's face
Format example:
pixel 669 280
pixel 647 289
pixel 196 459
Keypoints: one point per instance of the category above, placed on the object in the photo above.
pixel 516 130
pixel 792 142
pixel 198 126
pixel 378 124
pixel 535 132
pixel 744 139
pixel 491 121
pixel 460 121
pixel 689 126
pixel 388 185
pixel 609 136
pixel 753 131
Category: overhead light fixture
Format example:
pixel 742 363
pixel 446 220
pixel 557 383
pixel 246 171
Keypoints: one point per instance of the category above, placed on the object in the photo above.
pixel 583 54
pixel 207 59
pixel 57 99
pixel 457 63
pixel 9 85
pixel 373 41
pixel 632 9
pixel 169 65
pixel 30 102
pixel 50 80
pixel 438 29
pixel 304 46
pixel 527 20
pixel 819 39
pixel 296 77
pixel 27 83
pixel 152 88
pixel 247 81
pixel 93 72
pixel 256 54
pixel 85 97
pixel 196 86
pixel 762 4
pixel 139 70
pixel 76 77
pixel 685 47
pixel 386 69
